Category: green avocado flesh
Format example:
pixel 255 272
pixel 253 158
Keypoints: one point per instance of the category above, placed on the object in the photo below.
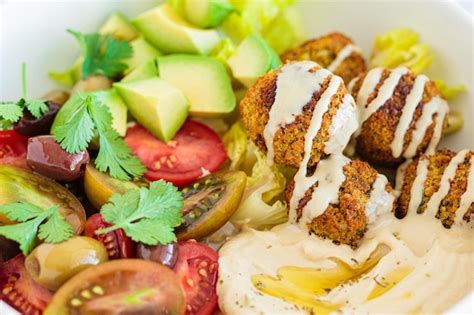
pixel 142 53
pixel 203 80
pixel 157 105
pixel 118 26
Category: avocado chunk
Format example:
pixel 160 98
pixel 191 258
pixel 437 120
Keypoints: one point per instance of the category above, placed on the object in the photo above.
pixel 203 80
pixel 253 58
pixel 170 33
pixel 117 108
pixel 110 98
pixel 157 105
pixel 144 71
pixel 203 13
pixel 142 52
pixel 118 26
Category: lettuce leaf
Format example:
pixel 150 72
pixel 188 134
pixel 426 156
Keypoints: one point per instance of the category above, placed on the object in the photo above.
pixel 401 47
pixel 275 20
pixel 261 207
pixel 449 92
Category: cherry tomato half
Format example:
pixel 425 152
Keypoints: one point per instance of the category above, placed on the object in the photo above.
pixel 123 286
pixel 13 148
pixel 182 160
pixel 197 268
pixel 19 290
pixel 117 243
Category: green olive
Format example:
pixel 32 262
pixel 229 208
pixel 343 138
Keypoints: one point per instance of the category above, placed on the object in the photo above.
pixel 53 264
pixel 209 204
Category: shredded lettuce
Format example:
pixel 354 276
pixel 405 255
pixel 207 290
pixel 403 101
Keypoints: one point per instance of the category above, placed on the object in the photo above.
pixel 223 51
pixel 449 92
pixel 261 207
pixel 401 47
pixel 275 20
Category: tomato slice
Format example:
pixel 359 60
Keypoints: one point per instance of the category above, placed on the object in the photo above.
pixel 123 286
pixel 117 243
pixel 197 268
pixel 182 160
pixel 19 290
pixel 13 148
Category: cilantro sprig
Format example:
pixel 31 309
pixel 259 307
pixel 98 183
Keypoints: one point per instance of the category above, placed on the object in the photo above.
pixel 11 112
pixel 85 115
pixel 146 215
pixel 32 218
pixel 102 54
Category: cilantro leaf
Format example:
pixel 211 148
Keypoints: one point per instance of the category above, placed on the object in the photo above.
pixel 102 54
pixel 146 215
pixel 56 229
pixel 32 218
pixel 77 130
pixel 37 108
pixel 10 111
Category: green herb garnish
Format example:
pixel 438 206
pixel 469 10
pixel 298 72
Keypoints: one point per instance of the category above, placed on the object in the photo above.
pixel 102 54
pixel 86 116
pixel 13 111
pixel 146 215
pixel 32 218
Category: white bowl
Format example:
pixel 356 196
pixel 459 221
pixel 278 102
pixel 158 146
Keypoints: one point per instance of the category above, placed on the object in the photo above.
pixel 35 32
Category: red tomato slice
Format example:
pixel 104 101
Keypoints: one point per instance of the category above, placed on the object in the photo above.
pixel 197 268
pixel 182 160
pixel 13 148
pixel 117 243
pixel 19 290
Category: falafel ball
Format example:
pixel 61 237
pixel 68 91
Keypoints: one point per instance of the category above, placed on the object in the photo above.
pixel 338 122
pixel 440 185
pixel 402 115
pixel 325 51
pixel 362 197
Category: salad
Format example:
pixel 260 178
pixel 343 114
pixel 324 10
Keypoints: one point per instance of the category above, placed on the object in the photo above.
pixel 206 157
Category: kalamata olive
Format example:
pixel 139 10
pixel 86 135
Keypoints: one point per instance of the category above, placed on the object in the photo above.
pixel 8 249
pixel 164 254
pixel 30 126
pixel 53 264
pixel 57 96
pixel 45 156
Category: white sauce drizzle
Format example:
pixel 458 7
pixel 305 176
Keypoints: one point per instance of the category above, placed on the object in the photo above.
pixel 295 87
pixel 418 186
pixel 445 183
pixel 412 100
pixel 442 111
pixel 380 201
pixel 342 55
pixel 468 197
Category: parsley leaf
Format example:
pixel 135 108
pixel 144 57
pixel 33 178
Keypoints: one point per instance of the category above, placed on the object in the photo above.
pixel 146 215
pixel 102 54
pixel 83 116
pixel 32 218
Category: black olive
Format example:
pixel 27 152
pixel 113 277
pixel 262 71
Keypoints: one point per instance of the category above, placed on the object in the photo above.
pixel 8 249
pixel 45 156
pixel 164 254
pixel 30 126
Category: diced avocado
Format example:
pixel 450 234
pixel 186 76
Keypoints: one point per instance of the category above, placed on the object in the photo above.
pixel 117 108
pixel 70 76
pixel 118 26
pixel 253 58
pixel 170 33
pixel 203 80
pixel 142 52
pixel 203 13
pixel 144 71
pixel 286 31
pixel 155 104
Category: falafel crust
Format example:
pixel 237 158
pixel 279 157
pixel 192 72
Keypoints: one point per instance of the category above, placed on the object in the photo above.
pixel 434 170
pixel 344 222
pixel 324 51
pixel 376 135
pixel 289 139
